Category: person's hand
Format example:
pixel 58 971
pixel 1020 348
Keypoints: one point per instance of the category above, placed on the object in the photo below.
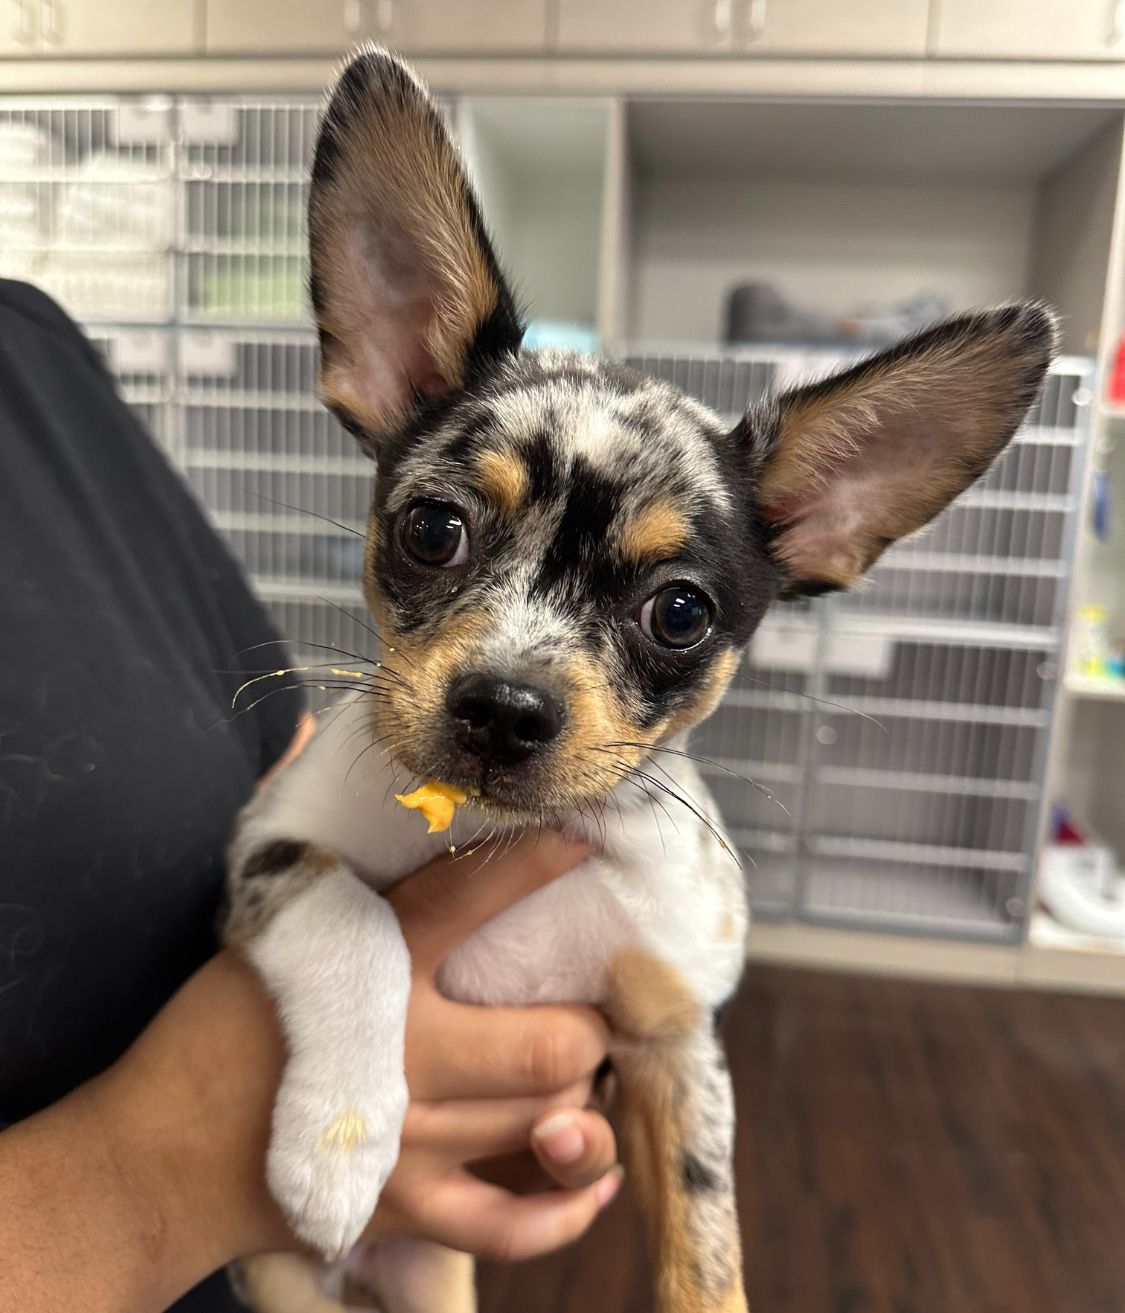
pixel 155 1171
pixel 490 1082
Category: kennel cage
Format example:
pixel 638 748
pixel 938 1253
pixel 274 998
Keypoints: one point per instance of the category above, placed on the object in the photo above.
pixel 901 730
pixel 896 736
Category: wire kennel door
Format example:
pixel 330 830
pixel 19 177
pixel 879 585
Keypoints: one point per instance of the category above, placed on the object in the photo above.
pixel 280 479
pixel 175 230
pixel 901 730
pixel 88 205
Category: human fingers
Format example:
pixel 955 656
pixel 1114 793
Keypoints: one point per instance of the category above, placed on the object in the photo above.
pixel 444 902
pixel 576 1146
pixel 467 1130
pixel 460 1051
pixel 486 1220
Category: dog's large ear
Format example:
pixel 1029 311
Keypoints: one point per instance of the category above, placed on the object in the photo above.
pixel 405 287
pixel 846 466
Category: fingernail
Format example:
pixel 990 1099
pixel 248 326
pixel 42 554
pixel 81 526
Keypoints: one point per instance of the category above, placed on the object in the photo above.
pixel 609 1185
pixel 561 1140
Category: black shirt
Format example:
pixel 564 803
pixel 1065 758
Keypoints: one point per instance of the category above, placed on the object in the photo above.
pixel 125 629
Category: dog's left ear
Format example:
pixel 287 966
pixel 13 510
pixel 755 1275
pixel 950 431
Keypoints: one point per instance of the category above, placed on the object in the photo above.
pixel 847 466
pixel 405 286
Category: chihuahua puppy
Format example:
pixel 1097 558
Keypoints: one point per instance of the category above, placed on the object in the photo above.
pixel 565 560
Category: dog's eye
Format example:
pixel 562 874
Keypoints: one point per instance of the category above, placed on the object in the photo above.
pixel 435 534
pixel 678 616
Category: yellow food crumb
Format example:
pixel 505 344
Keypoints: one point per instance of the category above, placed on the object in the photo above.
pixel 436 801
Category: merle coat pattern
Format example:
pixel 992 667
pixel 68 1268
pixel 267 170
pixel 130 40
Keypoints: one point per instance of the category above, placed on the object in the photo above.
pixel 565 560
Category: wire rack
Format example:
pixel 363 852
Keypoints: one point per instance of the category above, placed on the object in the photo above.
pixel 895 738
pixel 88 204
pixel 901 730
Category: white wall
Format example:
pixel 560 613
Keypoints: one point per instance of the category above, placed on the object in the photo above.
pixel 833 246
pixel 551 242
pixel 1073 224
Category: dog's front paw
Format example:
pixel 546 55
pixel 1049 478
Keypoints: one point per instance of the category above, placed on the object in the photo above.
pixel 330 1157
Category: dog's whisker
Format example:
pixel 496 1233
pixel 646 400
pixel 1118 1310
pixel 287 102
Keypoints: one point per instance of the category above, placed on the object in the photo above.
pixel 364 625
pixel 657 802
pixel 375 743
pixel 692 807
pixel 273 692
pixel 304 510
pixel 324 647
pixel 822 702
pixel 313 681
pixel 706 761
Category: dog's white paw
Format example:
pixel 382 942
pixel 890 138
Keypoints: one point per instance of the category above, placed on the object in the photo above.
pixel 329 1158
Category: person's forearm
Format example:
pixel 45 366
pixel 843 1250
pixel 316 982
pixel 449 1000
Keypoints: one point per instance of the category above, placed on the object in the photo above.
pixel 133 1188
pixel 72 1231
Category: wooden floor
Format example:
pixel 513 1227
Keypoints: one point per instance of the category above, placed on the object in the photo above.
pixel 903 1148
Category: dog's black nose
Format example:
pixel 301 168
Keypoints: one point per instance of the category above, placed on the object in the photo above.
pixel 500 720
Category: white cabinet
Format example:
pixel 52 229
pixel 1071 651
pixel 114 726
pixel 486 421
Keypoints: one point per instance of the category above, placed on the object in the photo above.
pixel 832 27
pixel 640 27
pixel 767 27
pixel 19 27
pixel 314 27
pixel 69 29
pixel 1030 29
pixel 295 27
pixel 469 27
pixel 72 28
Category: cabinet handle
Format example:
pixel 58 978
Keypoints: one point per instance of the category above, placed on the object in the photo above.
pixel 353 16
pixel 24 30
pixel 756 20
pixel 52 22
pixel 384 15
pixel 721 17
pixel 1116 22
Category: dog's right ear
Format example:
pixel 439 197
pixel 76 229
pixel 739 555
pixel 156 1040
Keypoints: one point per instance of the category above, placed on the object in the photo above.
pixel 407 293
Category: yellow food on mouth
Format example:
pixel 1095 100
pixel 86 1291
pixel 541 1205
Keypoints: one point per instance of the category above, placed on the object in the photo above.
pixel 436 801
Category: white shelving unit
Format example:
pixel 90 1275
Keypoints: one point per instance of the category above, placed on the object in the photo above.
pixel 846 205
pixel 87 204
pixel 1096 687
pixel 541 169
pixel 901 731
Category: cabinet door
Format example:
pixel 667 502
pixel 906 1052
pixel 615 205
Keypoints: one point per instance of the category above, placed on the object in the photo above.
pixel 1031 29
pixel 118 27
pixel 464 27
pixel 833 27
pixel 19 28
pixel 638 27
pixel 293 27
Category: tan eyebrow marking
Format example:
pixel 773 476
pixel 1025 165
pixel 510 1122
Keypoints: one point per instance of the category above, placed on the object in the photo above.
pixel 659 530
pixel 503 479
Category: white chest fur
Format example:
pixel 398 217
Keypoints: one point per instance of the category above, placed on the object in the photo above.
pixel 660 880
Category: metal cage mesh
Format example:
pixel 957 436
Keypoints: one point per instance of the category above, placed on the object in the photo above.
pixel 903 728
pixel 895 738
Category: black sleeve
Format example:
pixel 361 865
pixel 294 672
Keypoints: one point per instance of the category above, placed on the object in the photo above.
pixel 245 642
pixel 125 630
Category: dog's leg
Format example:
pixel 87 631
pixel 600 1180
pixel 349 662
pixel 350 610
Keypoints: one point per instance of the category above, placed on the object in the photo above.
pixel 677 1122
pixel 415 1276
pixel 282 1283
pixel 332 956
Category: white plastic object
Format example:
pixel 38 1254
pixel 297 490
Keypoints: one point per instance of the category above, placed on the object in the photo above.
pixel 1083 890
